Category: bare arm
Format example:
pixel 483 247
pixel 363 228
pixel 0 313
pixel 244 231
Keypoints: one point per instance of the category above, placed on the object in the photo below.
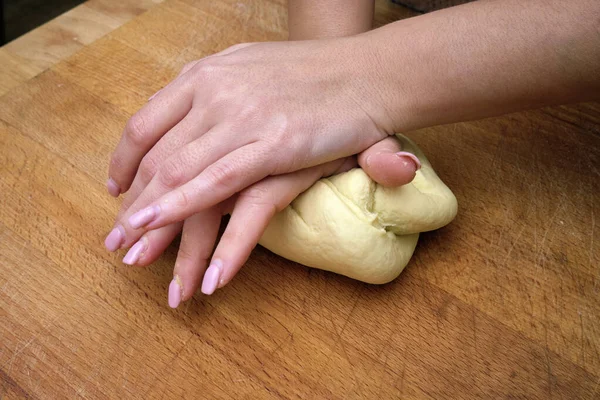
pixel 484 59
pixel 318 19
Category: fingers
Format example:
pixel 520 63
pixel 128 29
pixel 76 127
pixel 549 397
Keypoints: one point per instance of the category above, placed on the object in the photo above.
pixel 148 125
pixel 166 145
pixel 143 130
pixel 219 181
pixel 197 243
pixel 387 164
pixel 150 246
pixel 191 127
pixel 252 212
pixel 177 137
pixel 169 175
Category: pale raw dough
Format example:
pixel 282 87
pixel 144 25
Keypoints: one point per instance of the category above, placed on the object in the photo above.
pixel 350 225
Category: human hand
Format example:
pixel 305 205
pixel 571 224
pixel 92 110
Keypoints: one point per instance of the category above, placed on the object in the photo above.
pixel 251 212
pixel 230 116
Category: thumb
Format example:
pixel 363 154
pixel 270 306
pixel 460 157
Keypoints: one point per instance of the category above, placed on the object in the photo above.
pixel 387 164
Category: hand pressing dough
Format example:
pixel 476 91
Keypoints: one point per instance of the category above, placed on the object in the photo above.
pixel 351 225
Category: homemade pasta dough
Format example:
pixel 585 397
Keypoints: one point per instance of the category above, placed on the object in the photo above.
pixel 351 225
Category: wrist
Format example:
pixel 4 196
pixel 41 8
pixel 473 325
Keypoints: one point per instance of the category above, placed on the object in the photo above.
pixel 396 99
pixel 374 83
pixel 322 19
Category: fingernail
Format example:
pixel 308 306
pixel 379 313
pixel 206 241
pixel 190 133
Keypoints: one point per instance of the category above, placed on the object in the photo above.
pixel 211 277
pixel 114 239
pixel 414 158
pixel 134 254
pixel 113 188
pixel 175 292
pixel 144 217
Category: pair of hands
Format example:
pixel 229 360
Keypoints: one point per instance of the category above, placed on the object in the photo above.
pixel 244 132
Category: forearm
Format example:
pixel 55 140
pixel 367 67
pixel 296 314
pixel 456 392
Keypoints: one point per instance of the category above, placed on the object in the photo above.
pixel 484 59
pixel 318 19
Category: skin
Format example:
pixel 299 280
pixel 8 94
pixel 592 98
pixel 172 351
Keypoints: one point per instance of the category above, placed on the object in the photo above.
pixel 253 208
pixel 261 110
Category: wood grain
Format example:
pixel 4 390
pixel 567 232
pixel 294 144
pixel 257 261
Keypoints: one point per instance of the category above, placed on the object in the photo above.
pixel 502 303
pixel 43 47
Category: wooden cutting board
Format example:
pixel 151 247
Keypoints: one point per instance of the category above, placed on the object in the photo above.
pixel 504 302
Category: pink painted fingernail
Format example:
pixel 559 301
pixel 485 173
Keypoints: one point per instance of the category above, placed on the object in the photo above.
pixel 414 158
pixel 115 238
pixel 134 254
pixel 113 188
pixel 211 277
pixel 175 292
pixel 144 217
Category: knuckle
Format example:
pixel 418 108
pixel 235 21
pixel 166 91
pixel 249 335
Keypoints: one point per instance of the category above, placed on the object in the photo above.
pixel 261 199
pixel 221 96
pixel 256 194
pixel 282 130
pixel 187 67
pixel 171 174
pixel 181 199
pixel 185 253
pixel 136 130
pixel 222 175
pixel 189 251
pixel 277 164
pixel 236 47
pixel 117 162
pixel 205 69
pixel 251 112
pixel 148 168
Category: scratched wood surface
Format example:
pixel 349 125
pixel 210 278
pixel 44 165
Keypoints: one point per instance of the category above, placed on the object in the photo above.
pixel 504 302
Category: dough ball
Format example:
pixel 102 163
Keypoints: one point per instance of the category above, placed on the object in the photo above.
pixel 350 225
